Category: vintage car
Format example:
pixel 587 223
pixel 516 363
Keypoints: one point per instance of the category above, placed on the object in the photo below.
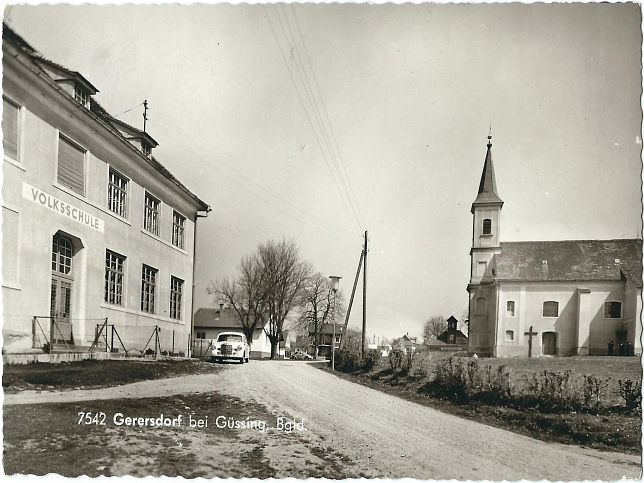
pixel 230 345
pixel 300 355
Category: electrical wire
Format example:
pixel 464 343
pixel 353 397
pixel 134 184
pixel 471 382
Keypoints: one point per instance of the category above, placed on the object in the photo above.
pixel 306 87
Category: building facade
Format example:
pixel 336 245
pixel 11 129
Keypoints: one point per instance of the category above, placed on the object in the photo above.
pixel 570 297
pixel 95 231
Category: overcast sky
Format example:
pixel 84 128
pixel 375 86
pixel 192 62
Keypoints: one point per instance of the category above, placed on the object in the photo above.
pixel 406 95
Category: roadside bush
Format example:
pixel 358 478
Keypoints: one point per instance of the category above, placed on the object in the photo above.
pixel 347 360
pixel 396 359
pixel 591 391
pixel 371 358
pixel 631 392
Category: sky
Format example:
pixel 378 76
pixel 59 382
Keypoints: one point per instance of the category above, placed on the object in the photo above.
pixel 318 122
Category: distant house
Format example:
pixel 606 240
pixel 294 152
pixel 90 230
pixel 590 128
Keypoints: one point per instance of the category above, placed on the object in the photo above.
pixel 406 344
pixel 452 335
pixel 384 349
pixel 285 345
pixel 209 323
pixel 325 338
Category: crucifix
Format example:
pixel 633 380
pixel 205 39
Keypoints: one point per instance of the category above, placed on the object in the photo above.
pixel 530 334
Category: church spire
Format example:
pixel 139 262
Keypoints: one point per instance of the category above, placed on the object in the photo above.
pixel 487 187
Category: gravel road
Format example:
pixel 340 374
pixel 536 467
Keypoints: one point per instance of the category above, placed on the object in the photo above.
pixel 382 435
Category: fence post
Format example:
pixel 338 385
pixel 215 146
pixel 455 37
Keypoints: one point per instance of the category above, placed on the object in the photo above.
pixel 173 341
pixel 112 344
pixel 51 335
pixel 33 332
pixel 156 341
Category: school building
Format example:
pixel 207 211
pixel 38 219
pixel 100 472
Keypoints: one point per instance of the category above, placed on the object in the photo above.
pixel 95 231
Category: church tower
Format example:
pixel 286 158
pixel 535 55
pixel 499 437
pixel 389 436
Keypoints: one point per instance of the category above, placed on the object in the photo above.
pixel 486 211
pixel 485 231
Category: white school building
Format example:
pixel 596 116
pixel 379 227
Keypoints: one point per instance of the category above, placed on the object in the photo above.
pixel 95 231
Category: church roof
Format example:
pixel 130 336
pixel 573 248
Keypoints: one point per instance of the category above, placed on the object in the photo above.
pixel 571 260
pixel 487 187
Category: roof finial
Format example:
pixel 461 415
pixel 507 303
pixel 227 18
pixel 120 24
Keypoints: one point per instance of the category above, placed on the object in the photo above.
pixel 489 137
pixel 145 113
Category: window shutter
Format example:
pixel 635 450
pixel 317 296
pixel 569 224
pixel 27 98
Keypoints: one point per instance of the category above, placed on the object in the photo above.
pixel 10 129
pixel 71 166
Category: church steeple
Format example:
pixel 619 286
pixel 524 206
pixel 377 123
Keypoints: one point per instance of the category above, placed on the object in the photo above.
pixel 487 194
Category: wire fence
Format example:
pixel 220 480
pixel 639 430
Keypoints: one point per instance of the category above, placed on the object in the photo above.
pixel 53 334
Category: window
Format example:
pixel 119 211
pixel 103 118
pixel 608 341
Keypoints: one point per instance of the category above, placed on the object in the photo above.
pixel 176 294
pixel 61 255
pixel 481 307
pixel 612 310
pixel 509 335
pixel 10 116
pixel 487 226
pixel 509 308
pixel 146 148
pixel 151 214
pixel 551 309
pixel 178 224
pixel 81 95
pixel 117 194
pixel 114 277
pixel 148 288
pixel 480 268
pixel 71 165
pixel 201 335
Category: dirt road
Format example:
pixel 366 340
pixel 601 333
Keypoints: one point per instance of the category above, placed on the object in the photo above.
pixel 382 435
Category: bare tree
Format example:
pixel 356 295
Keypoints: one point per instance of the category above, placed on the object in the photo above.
pixel 285 275
pixel 246 294
pixel 318 307
pixel 434 327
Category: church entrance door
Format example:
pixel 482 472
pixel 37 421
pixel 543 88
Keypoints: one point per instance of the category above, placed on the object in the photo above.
pixel 549 343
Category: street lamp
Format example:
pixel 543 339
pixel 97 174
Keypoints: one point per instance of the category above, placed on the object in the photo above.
pixel 334 284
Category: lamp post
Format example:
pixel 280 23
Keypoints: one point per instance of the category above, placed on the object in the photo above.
pixel 334 284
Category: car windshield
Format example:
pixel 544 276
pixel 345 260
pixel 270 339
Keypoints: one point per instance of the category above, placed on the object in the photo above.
pixel 229 338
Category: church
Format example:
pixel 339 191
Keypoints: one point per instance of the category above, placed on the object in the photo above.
pixel 549 298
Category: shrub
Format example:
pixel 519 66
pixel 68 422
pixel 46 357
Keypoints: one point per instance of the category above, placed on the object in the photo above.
pixel 396 358
pixel 631 392
pixel 371 358
pixel 347 360
pixel 46 348
pixel 591 391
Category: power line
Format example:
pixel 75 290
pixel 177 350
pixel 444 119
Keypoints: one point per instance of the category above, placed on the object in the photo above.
pixel 342 163
pixel 345 197
pixel 235 178
pixel 127 110
pixel 304 77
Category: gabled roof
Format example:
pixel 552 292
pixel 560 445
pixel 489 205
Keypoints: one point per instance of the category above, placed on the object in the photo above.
pixel 100 114
pixel 487 187
pixel 65 73
pixel 133 132
pixel 215 318
pixel 571 260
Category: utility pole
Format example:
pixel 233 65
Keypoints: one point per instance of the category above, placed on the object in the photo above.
pixel 364 293
pixel 145 113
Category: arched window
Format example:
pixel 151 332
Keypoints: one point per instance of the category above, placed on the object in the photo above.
pixel 509 308
pixel 481 307
pixel 551 309
pixel 612 310
pixel 487 226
